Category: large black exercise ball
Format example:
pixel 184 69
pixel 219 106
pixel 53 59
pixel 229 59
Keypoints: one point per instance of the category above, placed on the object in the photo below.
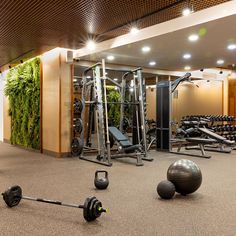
pixel 166 189
pixel 185 175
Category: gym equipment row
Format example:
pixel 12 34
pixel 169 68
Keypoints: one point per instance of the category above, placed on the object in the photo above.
pixel 92 207
pixel 196 136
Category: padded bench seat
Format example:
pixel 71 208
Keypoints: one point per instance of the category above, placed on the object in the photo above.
pixel 127 146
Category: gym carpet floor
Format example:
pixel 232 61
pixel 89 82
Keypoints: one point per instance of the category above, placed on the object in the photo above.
pixel 131 197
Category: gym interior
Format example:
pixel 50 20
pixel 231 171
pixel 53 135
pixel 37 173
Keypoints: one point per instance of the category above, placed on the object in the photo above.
pixel 124 110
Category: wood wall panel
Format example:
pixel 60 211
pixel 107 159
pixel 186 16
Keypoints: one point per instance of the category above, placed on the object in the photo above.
pixel 205 100
pixel 51 80
pixel 65 104
pixel 232 97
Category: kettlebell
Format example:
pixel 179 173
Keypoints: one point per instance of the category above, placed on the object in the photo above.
pixel 101 182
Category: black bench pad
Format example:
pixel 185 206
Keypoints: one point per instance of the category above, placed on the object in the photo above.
pixel 117 134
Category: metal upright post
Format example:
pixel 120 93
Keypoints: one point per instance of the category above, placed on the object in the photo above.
pixel 142 110
pixel 99 113
pixel 136 105
pixel 106 112
pixel 122 100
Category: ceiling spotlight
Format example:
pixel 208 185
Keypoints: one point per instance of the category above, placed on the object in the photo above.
pixel 134 30
pixel 115 79
pixel 152 63
pixel 231 46
pixel 193 37
pixel 110 58
pixel 187 68
pixel 187 56
pixel 88 77
pixel 90 45
pixel 220 62
pixel 186 11
pixel 146 49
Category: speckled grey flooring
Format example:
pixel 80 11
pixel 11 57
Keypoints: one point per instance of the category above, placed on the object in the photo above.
pixel 135 208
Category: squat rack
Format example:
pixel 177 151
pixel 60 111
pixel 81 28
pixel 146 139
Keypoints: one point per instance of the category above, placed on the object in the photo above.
pixel 96 86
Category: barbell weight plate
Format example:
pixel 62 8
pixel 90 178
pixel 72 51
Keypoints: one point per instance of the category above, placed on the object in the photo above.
pixel 86 211
pixel 76 147
pixel 92 210
pixel 97 205
pixel 78 106
pixel 12 196
pixel 78 125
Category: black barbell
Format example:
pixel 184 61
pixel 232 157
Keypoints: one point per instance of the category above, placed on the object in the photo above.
pixel 92 207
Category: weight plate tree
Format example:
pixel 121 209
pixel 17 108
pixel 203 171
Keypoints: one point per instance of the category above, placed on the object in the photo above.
pixel 92 207
pixel 76 121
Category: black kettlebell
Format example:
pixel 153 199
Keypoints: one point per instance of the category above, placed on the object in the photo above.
pixel 101 182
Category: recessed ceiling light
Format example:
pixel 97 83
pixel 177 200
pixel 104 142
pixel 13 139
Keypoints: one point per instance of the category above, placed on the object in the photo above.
pixel 106 73
pixel 186 11
pixel 110 58
pixel 91 45
pixel 88 77
pixel 187 68
pixel 231 46
pixel 146 49
pixel 193 37
pixel 220 62
pixel 134 30
pixel 152 63
pixel 115 79
pixel 187 56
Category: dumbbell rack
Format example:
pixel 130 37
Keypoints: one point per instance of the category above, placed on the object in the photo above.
pixel 226 130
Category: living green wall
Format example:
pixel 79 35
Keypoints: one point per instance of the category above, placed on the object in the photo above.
pixel 113 109
pixel 23 91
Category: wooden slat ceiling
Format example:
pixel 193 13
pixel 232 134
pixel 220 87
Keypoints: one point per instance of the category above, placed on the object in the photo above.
pixel 28 27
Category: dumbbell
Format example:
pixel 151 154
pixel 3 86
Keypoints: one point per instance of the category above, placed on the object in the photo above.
pixel 92 207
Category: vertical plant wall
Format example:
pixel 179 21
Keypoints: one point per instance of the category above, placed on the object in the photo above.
pixel 23 91
pixel 113 109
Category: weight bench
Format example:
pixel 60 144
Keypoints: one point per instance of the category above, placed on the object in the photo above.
pixel 126 148
pixel 201 142
pixel 222 141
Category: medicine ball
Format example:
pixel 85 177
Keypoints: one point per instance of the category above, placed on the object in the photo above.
pixel 166 189
pixel 185 175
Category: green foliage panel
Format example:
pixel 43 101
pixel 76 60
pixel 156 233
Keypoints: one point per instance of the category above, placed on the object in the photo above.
pixel 23 91
pixel 113 109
